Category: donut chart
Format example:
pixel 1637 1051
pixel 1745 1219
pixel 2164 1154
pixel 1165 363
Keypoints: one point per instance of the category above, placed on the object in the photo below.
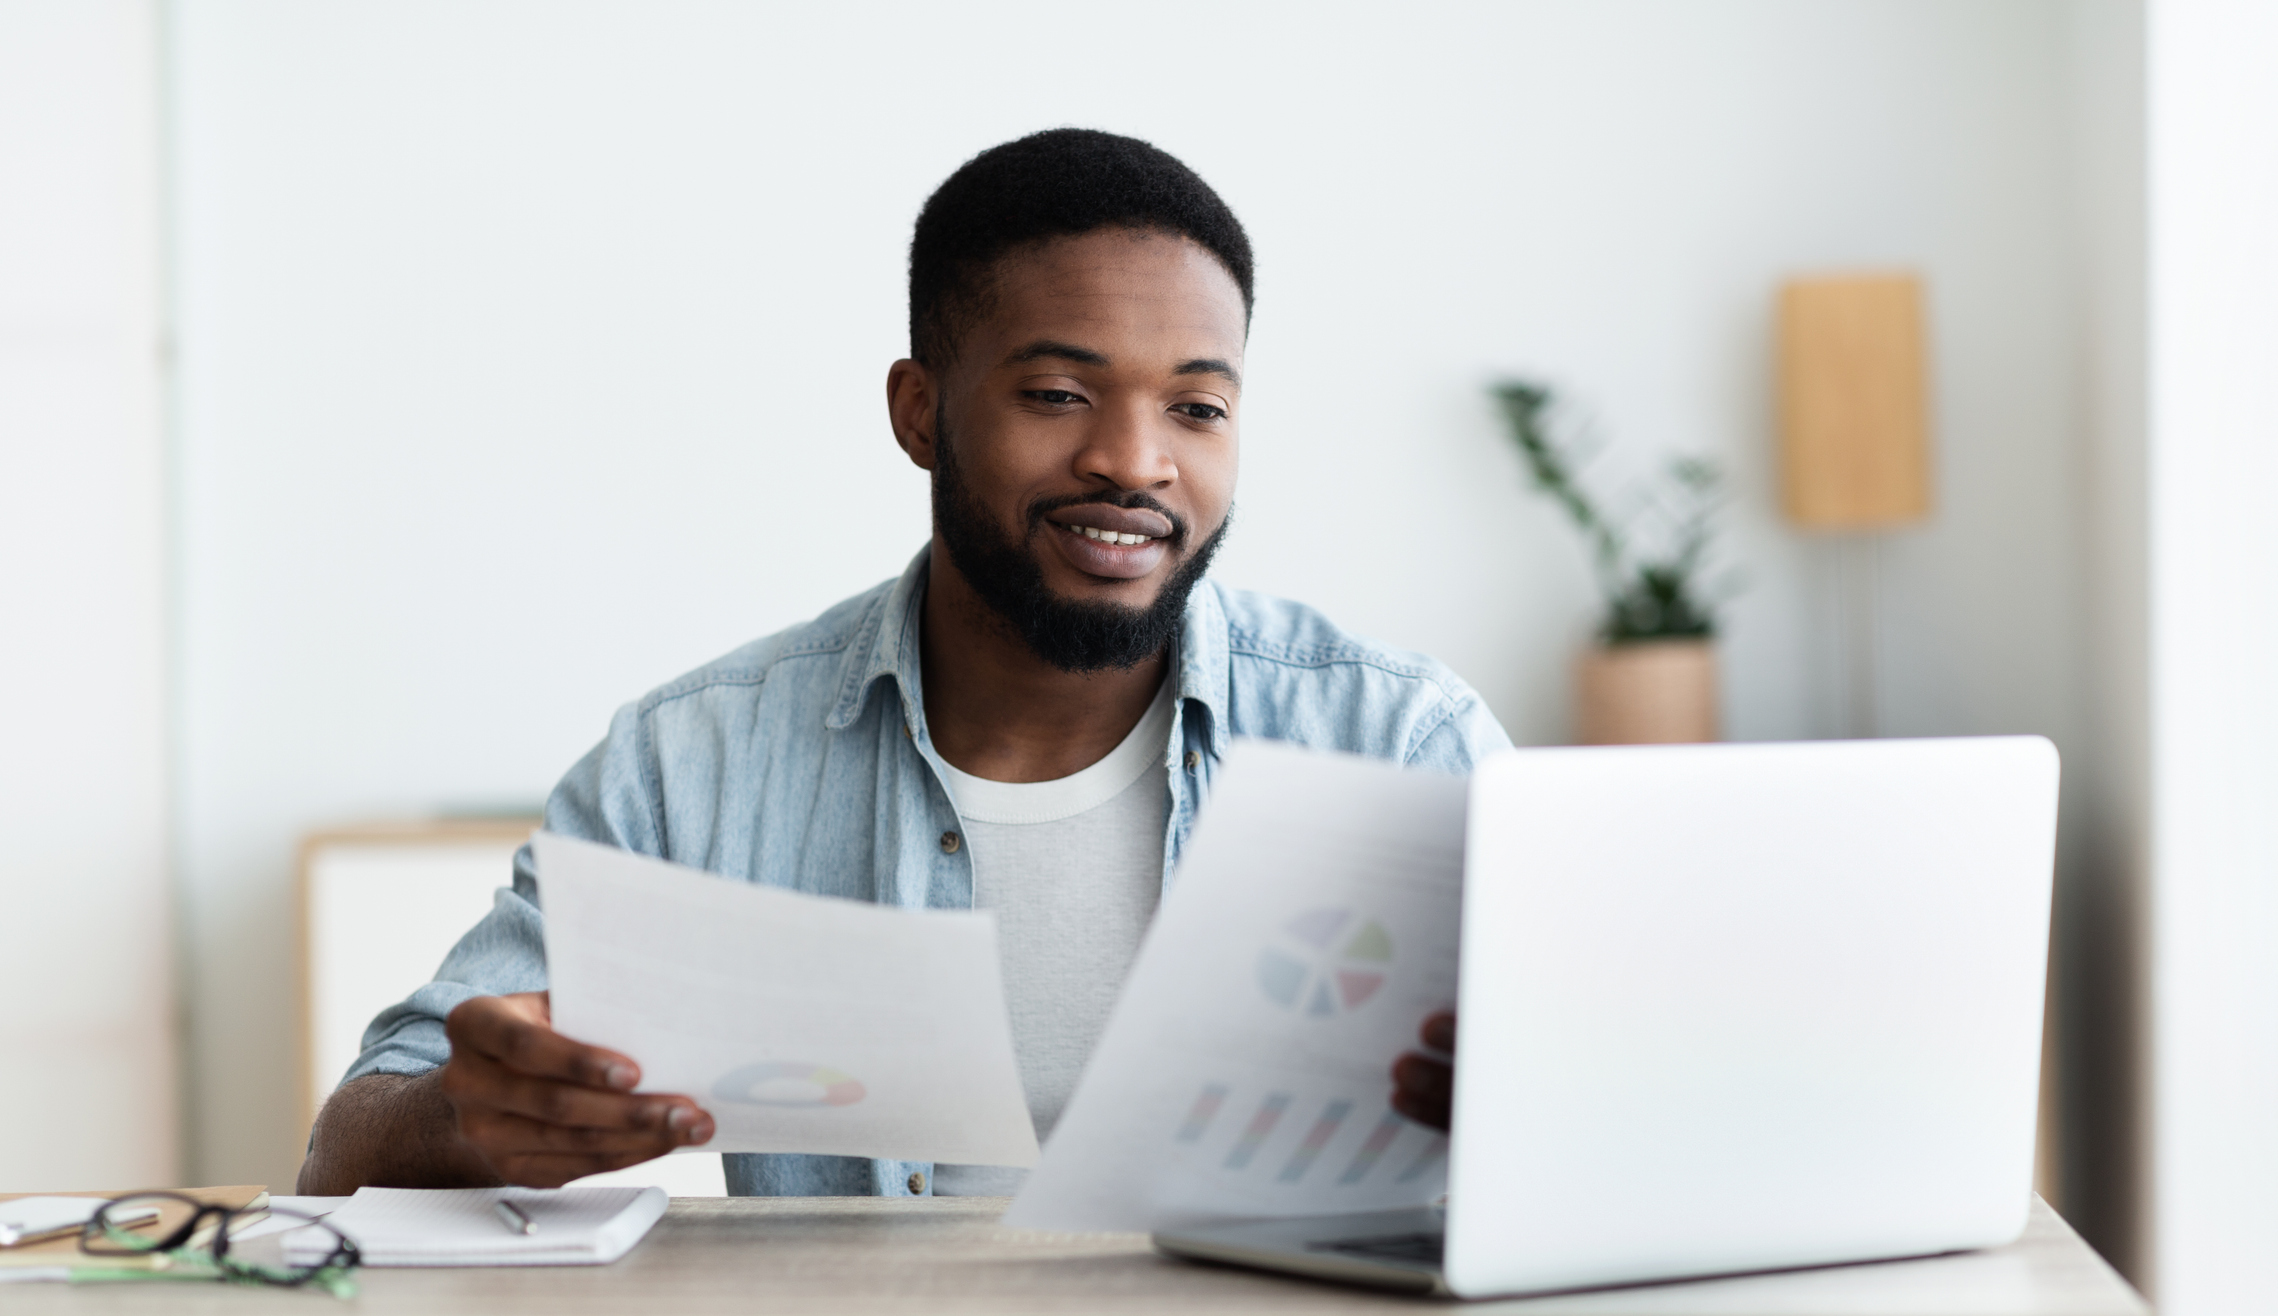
pixel 789 1083
pixel 1325 962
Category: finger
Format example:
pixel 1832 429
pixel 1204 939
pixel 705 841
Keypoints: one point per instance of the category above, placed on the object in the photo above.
pixel 1424 1113
pixel 525 1044
pixel 552 1170
pixel 1423 1089
pixel 504 1029
pixel 504 1136
pixel 1424 1076
pixel 485 1084
pixel 1438 1031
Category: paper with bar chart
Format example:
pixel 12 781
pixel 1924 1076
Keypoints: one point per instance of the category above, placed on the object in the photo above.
pixel 802 1023
pixel 1246 1068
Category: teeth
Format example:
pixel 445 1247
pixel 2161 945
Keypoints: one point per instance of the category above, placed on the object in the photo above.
pixel 1108 536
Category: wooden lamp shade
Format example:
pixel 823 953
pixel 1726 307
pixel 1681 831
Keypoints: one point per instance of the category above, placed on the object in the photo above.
pixel 1854 423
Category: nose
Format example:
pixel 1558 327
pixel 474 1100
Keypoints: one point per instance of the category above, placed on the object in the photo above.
pixel 1129 447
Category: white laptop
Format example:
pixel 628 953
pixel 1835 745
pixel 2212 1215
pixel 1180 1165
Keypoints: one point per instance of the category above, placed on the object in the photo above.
pixel 1726 1008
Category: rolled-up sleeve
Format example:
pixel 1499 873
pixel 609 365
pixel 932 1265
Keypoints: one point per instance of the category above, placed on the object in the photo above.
pixel 607 798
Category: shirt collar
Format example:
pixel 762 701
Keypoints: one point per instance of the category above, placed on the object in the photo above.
pixel 1203 661
pixel 885 644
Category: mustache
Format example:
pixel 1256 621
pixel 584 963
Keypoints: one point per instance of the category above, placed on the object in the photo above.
pixel 1136 500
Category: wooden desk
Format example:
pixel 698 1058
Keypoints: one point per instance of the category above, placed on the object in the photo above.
pixel 947 1255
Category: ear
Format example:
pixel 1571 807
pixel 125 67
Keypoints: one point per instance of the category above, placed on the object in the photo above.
pixel 912 398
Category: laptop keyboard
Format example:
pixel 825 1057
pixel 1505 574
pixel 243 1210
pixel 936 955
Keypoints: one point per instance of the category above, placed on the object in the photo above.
pixel 1419 1249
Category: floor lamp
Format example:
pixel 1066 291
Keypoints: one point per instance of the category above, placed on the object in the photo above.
pixel 1854 444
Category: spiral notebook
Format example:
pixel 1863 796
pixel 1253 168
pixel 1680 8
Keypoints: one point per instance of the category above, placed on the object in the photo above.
pixel 463 1226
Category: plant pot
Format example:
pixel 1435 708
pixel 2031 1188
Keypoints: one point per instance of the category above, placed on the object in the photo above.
pixel 1647 692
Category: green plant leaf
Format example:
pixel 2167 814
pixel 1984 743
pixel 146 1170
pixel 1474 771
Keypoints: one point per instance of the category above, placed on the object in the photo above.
pixel 1647 597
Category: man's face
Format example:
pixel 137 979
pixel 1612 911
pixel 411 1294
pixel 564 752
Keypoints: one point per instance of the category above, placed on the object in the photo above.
pixel 1084 442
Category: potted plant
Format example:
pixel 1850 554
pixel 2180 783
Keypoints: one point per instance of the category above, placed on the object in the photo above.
pixel 1650 677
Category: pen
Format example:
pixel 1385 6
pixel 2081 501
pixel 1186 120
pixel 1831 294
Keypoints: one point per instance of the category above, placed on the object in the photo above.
pixel 514 1218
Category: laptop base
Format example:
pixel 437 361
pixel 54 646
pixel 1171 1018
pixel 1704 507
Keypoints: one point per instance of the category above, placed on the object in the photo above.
pixel 1398 1250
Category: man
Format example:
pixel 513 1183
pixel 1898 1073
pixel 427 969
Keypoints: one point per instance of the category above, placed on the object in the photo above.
pixel 1027 720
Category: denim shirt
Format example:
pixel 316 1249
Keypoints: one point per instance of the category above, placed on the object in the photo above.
pixel 802 761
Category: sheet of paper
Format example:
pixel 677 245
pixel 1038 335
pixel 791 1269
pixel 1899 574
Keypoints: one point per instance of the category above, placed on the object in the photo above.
pixel 802 1023
pixel 24 1218
pixel 1246 1069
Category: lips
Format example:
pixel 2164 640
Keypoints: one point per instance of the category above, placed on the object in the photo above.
pixel 1110 554
pixel 1109 542
pixel 1094 520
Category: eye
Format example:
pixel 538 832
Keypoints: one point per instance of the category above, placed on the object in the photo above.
pixel 1199 411
pixel 1052 397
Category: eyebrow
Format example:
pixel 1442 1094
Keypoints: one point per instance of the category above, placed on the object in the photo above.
pixel 1210 365
pixel 1046 349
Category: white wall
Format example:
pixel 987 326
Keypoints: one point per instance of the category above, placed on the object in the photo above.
pixel 86 970
pixel 2214 631
pixel 532 353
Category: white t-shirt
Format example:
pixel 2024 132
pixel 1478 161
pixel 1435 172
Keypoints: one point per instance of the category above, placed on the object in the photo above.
pixel 1073 869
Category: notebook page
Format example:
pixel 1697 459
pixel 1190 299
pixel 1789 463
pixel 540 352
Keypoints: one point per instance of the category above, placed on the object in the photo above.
pixel 461 1226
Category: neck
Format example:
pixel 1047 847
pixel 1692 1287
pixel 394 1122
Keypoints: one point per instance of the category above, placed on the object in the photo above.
pixel 996 710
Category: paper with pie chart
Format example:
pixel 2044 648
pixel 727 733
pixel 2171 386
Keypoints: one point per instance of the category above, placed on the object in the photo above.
pixel 802 1023
pixel 1325 961
pixel 1246 1069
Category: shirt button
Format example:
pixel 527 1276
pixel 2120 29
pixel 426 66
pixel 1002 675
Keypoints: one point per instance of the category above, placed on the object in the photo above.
pixel 1193 760
pixel 917 1179
pixel 949 843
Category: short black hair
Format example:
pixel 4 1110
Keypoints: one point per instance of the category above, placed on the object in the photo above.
pixel 1062 182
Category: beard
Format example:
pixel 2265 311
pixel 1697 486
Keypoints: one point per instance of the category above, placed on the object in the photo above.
pixel 1074 635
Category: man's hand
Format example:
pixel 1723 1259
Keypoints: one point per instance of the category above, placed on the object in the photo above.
pixel 1423 1082
pixel 542 1109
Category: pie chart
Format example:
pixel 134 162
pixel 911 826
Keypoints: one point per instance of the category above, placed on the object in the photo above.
pixel 788 1083
pixel 1325 962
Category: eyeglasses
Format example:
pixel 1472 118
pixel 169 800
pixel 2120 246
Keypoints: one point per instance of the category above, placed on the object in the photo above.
pixel 190 1239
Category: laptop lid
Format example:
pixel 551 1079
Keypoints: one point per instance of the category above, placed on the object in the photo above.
pixel 1738 1007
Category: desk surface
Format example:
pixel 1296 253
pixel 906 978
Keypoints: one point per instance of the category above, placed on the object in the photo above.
pixel 947 1255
